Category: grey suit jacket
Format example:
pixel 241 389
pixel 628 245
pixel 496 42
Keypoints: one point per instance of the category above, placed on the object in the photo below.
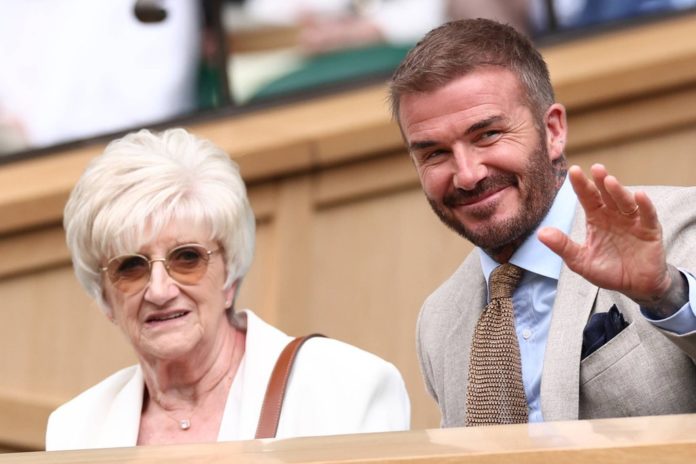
pixel 642 371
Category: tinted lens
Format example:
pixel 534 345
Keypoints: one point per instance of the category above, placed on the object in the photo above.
pixel 187 263
pixel 128 272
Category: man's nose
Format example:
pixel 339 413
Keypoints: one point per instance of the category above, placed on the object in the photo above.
pixel 469 169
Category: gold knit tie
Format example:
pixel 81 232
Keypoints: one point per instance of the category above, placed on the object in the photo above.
pixel 495 392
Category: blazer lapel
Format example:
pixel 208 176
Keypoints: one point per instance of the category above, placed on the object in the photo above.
pixel 264 344
pixel 470 302
pixel 560 381
pixel 122 422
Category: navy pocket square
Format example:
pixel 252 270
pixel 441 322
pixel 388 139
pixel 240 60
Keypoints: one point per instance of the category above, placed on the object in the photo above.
pixel 601 328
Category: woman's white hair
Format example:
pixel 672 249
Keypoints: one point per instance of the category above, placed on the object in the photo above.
pixel 140 184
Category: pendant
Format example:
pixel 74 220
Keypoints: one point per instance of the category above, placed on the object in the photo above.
pixel 184 424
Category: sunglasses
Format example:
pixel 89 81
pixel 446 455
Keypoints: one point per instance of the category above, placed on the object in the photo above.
pixel 186 264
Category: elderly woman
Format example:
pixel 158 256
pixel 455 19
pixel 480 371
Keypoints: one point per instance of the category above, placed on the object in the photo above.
pixel 161 235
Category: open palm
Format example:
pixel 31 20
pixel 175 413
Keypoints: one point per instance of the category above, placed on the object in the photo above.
pixel 623 248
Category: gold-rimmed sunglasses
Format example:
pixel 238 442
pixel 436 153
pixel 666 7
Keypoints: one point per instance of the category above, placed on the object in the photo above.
pixel 186 264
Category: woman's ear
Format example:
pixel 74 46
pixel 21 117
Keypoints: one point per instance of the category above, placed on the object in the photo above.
pixel 105 306
pixel 106 309
pixel 231 294
pixel 556 130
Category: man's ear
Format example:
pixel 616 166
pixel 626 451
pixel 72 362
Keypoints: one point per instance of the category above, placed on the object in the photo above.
pixel 556 130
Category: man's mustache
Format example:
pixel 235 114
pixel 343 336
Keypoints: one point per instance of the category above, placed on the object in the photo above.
pixel 461 196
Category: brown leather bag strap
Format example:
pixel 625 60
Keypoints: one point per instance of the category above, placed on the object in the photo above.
pixel 275 392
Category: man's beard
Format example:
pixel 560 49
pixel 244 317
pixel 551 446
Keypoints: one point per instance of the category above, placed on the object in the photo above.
pixel 541 184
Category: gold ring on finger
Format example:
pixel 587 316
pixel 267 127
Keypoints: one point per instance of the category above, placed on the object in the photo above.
pixel 630 213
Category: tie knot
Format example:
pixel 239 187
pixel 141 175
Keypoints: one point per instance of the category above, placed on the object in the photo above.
pixel 504 280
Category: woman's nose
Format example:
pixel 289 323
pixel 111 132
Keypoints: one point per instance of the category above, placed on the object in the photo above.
pixel 161 287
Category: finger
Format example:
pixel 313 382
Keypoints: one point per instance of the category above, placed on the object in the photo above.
pixel 648 213
pixel 586 191
pixel 599 175
pixel 623 198
pixel 558 242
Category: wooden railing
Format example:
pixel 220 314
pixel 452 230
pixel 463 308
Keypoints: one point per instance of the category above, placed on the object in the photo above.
pixel 643 440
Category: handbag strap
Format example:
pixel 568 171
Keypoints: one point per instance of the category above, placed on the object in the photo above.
pixel 275 392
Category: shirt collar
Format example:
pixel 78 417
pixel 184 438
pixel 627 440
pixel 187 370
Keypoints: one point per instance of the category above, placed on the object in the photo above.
pixel 533 255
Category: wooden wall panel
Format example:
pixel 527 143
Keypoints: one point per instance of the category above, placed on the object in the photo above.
pixel 54 339
pixel 255 293
pixel 668 158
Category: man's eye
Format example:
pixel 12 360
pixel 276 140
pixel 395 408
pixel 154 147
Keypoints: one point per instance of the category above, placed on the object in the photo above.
pixel 489 135
pixel 433 154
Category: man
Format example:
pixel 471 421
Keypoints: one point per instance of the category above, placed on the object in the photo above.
pixel 603 322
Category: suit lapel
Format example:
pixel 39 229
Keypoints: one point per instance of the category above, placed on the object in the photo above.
pixel 560 381
pixel 469 304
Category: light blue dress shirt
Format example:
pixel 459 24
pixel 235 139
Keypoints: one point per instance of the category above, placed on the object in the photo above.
pixel 536 293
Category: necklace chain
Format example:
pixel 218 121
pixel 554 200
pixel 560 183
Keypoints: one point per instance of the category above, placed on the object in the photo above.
pixel 185 423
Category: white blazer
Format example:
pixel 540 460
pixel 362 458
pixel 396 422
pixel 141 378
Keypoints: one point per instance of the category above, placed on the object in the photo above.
pixel 334 389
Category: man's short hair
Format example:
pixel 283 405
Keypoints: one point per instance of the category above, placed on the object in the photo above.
pixel 460 47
